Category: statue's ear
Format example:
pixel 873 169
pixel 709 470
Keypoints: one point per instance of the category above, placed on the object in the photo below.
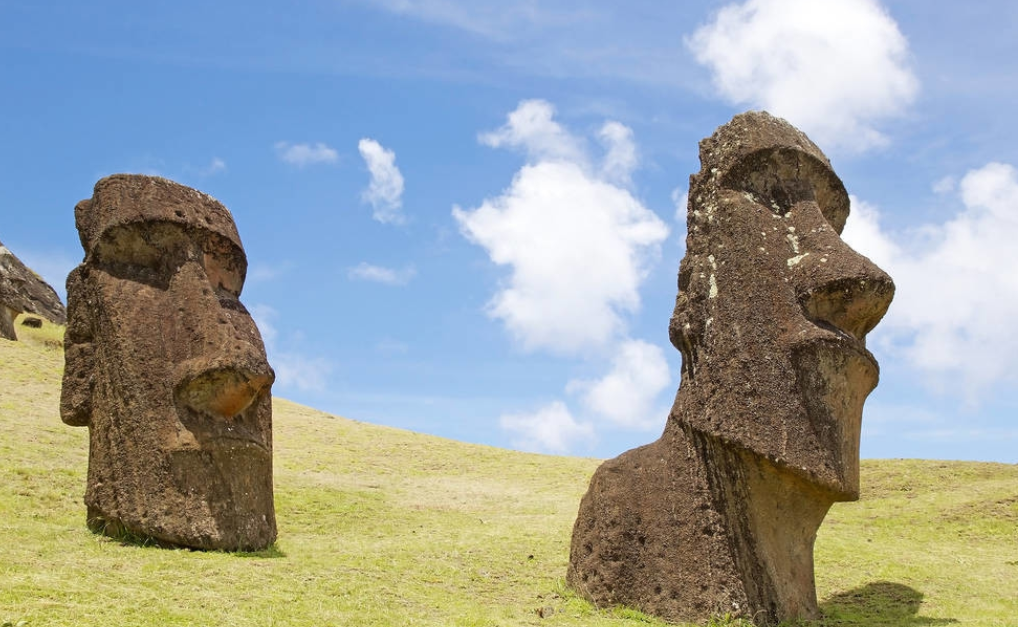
pixel 685 329
pixel 79 355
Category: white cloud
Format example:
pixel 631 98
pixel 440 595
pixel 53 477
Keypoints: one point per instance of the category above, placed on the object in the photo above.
pixel 833 68
pixel 551 428
pixel 379 274
pixel 957 289
pixel 532 127
pixel 385 191
pixel 293 370
pixel 627 395
pixel 302 155
pixel 579 247
pixel 620 157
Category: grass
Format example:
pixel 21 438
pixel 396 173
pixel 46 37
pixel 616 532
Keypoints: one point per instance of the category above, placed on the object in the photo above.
pixel 379 526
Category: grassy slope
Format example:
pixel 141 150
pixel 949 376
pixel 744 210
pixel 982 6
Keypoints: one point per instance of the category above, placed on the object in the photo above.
pixel 380 526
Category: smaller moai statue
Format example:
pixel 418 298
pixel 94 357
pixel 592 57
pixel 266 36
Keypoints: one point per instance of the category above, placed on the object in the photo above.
pixel 166 368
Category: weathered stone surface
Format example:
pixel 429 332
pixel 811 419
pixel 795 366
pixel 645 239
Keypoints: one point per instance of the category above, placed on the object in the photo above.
pixel 24 291
pixel 168 371
pixel 720 514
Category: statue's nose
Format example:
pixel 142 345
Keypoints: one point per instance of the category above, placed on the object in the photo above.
pixel 854 304
pixel 224 390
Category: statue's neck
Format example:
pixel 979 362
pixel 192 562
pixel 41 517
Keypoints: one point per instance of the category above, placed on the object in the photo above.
pixel 771 519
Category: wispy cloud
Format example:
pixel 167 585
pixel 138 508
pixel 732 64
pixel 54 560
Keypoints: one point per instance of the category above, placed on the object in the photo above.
pixel 261 272
pixel 633 41
pixel 833 68
pixel 385 190
pixel 302 155
pixel 379 274
pixel 215 166
pixel 493 20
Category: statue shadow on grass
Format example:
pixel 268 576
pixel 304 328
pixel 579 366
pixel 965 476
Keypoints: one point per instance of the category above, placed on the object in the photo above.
pixel 879 604
pixel 125 538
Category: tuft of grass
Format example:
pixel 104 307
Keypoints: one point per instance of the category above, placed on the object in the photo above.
pixel 379 527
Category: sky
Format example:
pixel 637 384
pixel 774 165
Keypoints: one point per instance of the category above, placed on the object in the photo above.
pixel 465 217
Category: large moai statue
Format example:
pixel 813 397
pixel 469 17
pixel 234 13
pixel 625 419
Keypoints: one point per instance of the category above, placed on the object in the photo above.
pixel 168 371
pixel 720 514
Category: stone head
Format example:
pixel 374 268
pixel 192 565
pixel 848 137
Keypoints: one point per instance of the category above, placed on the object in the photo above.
pixel 167 369
pixel 774 307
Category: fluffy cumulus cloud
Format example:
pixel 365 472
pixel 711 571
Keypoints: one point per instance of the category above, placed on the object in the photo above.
pixel 551 429
pixel 578 245
pixel 628 395
pixel 302 155
pixel 957 289
pixel 833 68
pixel 385 190
pixel 379 274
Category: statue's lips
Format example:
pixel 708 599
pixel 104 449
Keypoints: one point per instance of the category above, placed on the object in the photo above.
pixel 848 343
pixel 234 439
pixel 215 432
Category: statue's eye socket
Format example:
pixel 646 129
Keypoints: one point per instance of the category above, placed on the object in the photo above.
pixel 224 274
pixel 780 178
pixel 225 265
pixel 144 250
pixel 128 247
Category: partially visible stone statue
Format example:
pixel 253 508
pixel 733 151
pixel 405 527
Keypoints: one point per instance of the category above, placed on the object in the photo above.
pixel 167 369
pixel 720 514
pixel 24 291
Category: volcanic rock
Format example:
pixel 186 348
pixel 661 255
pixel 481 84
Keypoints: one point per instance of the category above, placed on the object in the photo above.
pixel 24 291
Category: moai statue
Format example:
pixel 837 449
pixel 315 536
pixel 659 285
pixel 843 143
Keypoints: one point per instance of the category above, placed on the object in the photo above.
pixel 720 514
pixel 166 368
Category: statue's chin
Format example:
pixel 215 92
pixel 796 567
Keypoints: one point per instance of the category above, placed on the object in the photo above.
pixel 834 376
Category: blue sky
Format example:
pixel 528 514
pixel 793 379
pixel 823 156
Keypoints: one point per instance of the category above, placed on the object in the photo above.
pixel 461 216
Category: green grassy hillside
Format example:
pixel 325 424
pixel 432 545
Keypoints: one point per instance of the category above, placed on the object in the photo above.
pixel 379 526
